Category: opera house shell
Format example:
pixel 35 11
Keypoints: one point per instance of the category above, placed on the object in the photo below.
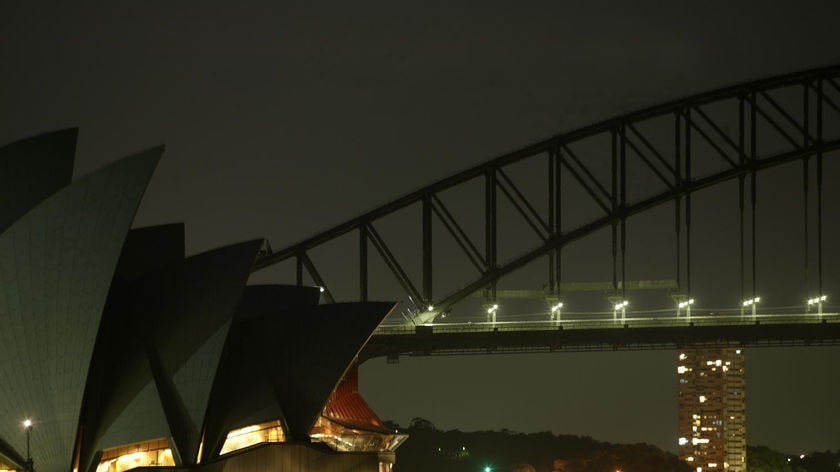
pixel 126 354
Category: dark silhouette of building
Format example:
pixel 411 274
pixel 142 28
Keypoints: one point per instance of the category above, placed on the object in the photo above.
pixel 125 353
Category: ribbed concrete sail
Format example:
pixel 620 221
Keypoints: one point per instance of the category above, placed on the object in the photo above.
pixel 137 422
pixel 194 378
pixel 120 369
pixel 109 338
pixel 56 266
pixel 207 303
pixel 290 358
pixel 243 393
pixel 144 326
pixel 150 249
pixel 307 354
pixel 33 169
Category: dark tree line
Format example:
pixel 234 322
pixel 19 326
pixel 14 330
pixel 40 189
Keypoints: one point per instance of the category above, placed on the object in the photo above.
pixel 430 449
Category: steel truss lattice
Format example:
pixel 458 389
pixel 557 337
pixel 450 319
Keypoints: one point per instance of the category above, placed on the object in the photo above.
pixel 728 134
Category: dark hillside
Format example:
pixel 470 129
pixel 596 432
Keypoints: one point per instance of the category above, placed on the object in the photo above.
pixel 429 449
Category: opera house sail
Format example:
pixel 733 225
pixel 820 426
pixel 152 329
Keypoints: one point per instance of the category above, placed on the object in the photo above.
pixel 127 353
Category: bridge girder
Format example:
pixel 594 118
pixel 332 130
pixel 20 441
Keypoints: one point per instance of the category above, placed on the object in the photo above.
pixel 727 134
pixel 425 342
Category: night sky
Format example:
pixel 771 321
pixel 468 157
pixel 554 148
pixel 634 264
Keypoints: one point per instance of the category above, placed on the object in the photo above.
pixel 282 119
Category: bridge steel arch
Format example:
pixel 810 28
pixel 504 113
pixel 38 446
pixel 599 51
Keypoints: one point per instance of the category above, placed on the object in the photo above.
pixel 680 147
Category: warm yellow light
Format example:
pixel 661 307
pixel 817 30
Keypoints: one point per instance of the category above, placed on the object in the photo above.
pixel 253 434
pixel 817 300
pixel 27 423
pixel 157 457
pixel 751 301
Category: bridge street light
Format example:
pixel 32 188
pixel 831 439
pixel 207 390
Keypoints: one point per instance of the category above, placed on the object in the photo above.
pixel 687 305
pixel 491 308
pixel 751 302
pixel 622 305
pixel 555 311
pixel 817 301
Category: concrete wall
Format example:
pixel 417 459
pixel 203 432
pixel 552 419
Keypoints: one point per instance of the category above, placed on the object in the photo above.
pixel 278 457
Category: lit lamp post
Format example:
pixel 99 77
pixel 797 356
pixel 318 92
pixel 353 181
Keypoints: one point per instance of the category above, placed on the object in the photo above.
pixel 555 311
pixel 751 302
pixel 817 301
pixel 687 305
pixel 28 466
pixel 491 308
pixel 620 306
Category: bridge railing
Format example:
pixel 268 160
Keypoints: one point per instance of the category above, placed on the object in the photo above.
pixel 597 321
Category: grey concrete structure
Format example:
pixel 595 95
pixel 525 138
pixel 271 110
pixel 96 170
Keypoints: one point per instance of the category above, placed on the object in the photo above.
pixel 285 365
pixel 165 391
pixel 56 264
pixel 114 343
pixel 283 457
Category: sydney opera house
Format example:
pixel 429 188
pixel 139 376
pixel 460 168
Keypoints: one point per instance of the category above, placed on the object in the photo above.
pixel 126 354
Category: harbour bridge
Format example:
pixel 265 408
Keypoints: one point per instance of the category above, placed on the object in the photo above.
pixel 708 220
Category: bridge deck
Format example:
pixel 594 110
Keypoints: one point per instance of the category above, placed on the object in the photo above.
pixel 604 335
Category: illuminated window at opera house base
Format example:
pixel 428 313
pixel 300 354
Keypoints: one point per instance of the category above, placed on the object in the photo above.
pixel 149 453
pixel 346 424
pixel 348 439
pixel 269 432
pixel 338 437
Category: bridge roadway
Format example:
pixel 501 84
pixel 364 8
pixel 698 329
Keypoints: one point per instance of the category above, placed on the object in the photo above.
pixel 597 333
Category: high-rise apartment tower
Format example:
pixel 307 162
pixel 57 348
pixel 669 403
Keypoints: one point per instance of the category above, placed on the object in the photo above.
pixel 711 409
